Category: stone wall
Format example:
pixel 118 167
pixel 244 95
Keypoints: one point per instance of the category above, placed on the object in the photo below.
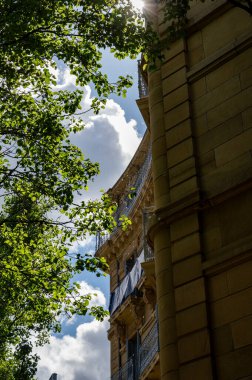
pixel 200 121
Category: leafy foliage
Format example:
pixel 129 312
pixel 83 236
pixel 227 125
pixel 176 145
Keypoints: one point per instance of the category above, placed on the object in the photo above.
pixel 22 365
pixel 41 171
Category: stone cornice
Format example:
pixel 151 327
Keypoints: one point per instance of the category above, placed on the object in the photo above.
pixel 200 16
pixel 194 202
pixel 229 256
pixel 220 57
pixel 136 162
pixel 118 243
pixel 207 13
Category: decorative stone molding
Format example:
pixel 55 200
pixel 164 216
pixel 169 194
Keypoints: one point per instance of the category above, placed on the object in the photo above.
pixel 137 308
pixel 111 332
pixel 149 296
pixel 219 57
pixel 229 256
pixel 120 329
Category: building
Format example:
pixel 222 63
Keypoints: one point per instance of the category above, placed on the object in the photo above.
pixel 54 376
pixel 198 112
pixel 134 332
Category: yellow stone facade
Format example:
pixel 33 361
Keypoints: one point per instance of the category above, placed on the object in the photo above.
pixel 200 101
pixel 133 332
pixel 199 117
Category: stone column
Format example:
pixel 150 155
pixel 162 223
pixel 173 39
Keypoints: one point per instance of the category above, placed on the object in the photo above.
pixel 183 325
pixel 161 235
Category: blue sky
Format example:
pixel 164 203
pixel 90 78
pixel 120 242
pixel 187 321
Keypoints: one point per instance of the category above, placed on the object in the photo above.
pixel 126 66
pixel 81 351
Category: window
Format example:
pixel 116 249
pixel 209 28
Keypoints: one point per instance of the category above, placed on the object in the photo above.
pixel 129 264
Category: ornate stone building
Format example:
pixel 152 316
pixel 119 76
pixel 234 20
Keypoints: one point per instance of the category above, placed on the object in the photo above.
pixel 198 112
pixel 134 331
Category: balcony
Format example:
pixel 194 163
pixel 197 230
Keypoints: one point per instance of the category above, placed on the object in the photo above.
pixel 148 349
pixel 127 203
pixel 127 286
pixel 143 101
pixel 142 81
pixel 126 372
pixel 148 251
pixel 139 367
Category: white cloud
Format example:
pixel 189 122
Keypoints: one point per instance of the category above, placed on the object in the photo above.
pixel 82 357
pixel 109 138
pixel 83 244
pixel 114 115
pixel 65 80
pixel 98 299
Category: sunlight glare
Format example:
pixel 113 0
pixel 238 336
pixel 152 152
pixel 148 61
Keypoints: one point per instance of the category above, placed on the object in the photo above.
pixel 139 4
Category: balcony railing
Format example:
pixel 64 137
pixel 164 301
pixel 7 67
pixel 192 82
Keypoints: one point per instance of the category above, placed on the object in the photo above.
pixel 127 204
pixel 126 372
pixel 101 238
pixel 142 84
pixel 127 286
pixel 148 251
pixel 148 348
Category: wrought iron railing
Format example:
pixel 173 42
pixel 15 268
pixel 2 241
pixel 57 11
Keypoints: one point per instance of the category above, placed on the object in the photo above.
pixel 127 286
pixel 142 84
pixel 127 203
pixel 148 251
pixel 148 348
pixel 126 372
pixel 101 238
pixel 133 369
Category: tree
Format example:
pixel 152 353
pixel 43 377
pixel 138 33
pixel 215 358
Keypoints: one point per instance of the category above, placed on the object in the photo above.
pixel 40 170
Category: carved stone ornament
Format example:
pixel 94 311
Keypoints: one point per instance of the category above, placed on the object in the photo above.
pixel 121 331
pixel 149 296
pixel 137 308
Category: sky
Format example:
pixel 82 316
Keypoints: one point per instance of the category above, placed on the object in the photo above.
pixel 81 350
